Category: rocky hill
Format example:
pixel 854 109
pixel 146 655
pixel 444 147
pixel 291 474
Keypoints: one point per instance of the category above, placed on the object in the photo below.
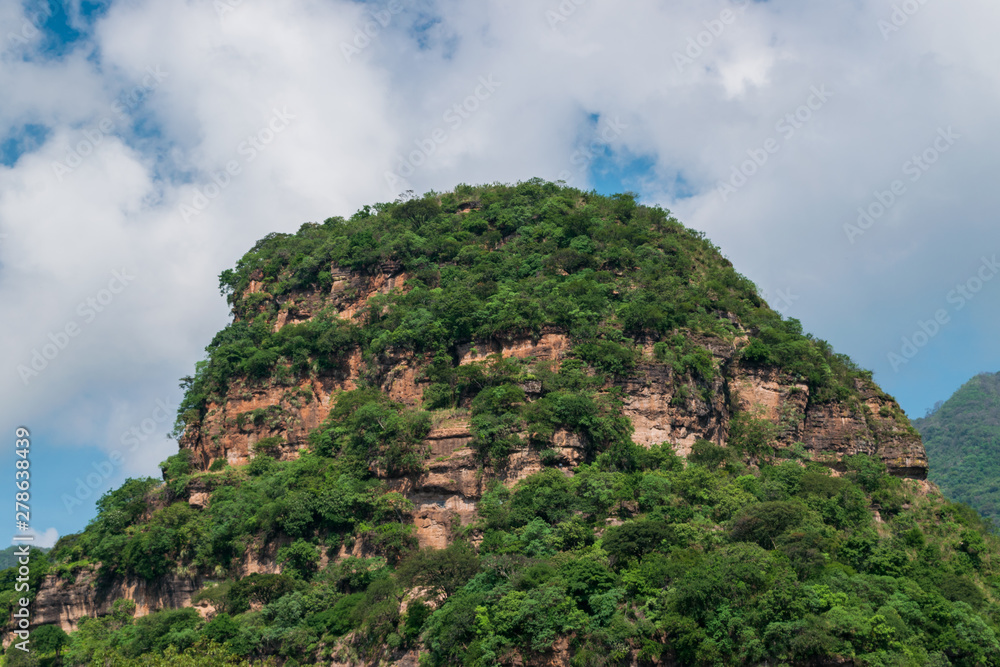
pixel 664 402
pixel 524 425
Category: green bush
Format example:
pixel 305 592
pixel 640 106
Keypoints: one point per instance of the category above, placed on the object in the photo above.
pixel 607 356
pixel 366 424
pixel 958 588
pixel 49 639
pixel 268 446
pixel 750 435
pixel 447 569
pixel 259 588
pixel 221 628
pixel 260 465
pixel 177 466
pixel 337 620
pixel 707 454
pixel 300 559
pixel 764 522
pixel 637 538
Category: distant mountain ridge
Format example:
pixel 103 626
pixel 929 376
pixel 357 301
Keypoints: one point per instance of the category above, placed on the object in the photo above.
pixel 8 559
pixel 962 438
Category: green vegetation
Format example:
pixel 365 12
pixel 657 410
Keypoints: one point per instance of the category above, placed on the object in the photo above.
pixel 325 499
pixel 610 272
pixel 637 553
pixel 962 437
pixel 741 555
pixel 8 559
pixel 39 565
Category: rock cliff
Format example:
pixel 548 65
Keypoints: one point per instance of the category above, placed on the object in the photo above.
pixel 661 405
pixel 65 601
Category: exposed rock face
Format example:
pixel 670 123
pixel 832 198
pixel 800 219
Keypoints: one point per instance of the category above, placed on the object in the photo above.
pixel 834 430
pixel 251 414
pixel 831 431
pixel 348 295
pixel 773 396
pixel 264 559
pixel 662 407
pixel 445 495
pixel 64 603
pixel 552 346
pixel 661 412
pixel 675 410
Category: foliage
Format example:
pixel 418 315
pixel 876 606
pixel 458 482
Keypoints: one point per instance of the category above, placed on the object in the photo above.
pixel 366 425
pixel 799 576
pixel 300 559
pixel 535 254
pixel 246 509
pixel 962 437
pixel 9 559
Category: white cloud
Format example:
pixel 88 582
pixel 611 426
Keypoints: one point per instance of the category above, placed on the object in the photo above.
pixel 46 539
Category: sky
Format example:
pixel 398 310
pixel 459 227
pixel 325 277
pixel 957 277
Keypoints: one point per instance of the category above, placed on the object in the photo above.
pixel 842 155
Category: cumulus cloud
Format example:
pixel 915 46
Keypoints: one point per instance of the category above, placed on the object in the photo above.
pixel 162 157
pixel 46 539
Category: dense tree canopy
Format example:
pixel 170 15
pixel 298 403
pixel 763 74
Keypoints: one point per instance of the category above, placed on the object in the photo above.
pixel 962 437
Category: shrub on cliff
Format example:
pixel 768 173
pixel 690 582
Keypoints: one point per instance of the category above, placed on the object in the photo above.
pixel 366 425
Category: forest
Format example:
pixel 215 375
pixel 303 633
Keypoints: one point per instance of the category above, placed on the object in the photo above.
pixel 963 437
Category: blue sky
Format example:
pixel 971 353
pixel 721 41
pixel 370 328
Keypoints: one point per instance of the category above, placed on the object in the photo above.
pixel 766 125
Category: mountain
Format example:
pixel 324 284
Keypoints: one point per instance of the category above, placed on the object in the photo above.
pixel 962 437
pixel 8 559
pixel 523 425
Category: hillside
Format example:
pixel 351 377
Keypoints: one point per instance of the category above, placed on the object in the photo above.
pixel 962 437
pixel 524 425
pixel 8 559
